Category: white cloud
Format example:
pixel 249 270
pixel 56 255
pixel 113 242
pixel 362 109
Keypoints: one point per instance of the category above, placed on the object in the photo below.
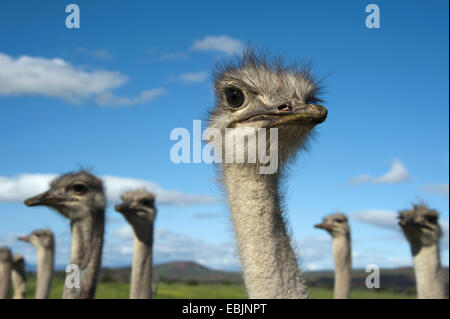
pixel 172 246
pixel 109 99
pixel 18 188
pixel 222 43
pixel 171 56
pixel 396 174
pixel 314 252
pixel 439 189
pixel 57 78
pixel 96 54
pixel 207 215
pixel 194 77
pixel 364 178
pixel 380 218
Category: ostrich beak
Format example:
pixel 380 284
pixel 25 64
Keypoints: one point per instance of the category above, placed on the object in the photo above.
pixel 44 199
pixel 311 113
pixel 323 226
pixel 291 113
pixel 24 238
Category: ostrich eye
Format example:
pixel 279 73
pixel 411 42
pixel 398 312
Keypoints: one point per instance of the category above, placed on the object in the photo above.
pixel 235 97
pixel 339 221
pixel 79 188
pixel 431 219
pixel 146 202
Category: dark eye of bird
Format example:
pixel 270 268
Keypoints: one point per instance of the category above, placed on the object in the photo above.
pixel 79 188
pixel 146 202
pixel 431 219
pixel 339 220
pixel 235 97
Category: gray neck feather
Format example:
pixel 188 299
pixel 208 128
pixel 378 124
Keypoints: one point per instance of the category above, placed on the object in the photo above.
pixel 428 271
pixel 86 253
pixel 141 270
pixel 19 280
pixel 5 279
pixel 268 260
pixel 45 263
pixel 343 266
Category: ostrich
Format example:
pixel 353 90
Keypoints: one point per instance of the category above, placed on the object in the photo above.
pixel 138 208
pixel 19 277
pixel 421 228
pixel 79 197
pixel 43 240
pixel 5 272
pixel 339 229
pixel 256 93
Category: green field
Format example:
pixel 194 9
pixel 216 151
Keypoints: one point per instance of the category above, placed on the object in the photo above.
pixel 112 290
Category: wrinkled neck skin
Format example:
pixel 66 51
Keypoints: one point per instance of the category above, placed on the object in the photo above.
pixel 269 264
pixel 141 270
pixel 19 280
pixel 45 262
pixel 86 253
pixel 5 279
pixel 428 271
pixel 342 256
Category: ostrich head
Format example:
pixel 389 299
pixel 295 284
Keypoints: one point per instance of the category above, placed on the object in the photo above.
pixel 420 225
pixel 5 255
pixel 335 224
pixel 42 238
pixel 138 207
pixel 18 261
pixel 75 195
pixel 260 92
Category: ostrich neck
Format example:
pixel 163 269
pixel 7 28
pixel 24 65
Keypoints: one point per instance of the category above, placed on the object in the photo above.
pixel 428 270
pixel 141 270
pixel 269 264
pixel 343 266
pixel 86 253
pixel 5 279
pixel 45 261
pixel 19 280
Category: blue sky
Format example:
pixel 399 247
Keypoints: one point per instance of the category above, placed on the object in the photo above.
pixel 107 96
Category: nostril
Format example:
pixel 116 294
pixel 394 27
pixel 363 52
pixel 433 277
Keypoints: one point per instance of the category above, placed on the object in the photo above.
pixel 285 107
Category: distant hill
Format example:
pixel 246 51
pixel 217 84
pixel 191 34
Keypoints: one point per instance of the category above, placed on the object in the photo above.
pixel 395 280
pixel 176 271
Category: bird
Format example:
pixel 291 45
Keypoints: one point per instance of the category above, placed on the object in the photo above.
pixel 138 208
pixel 19 277
pixel 420 225
pixel 338 227
pixel 80 197
pixel 44 242
pixel 257 92
pixel 5 272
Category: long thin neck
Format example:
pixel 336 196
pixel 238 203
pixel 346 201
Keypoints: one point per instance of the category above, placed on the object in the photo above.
pixel 428 270
pixel 19 280
pixel 141 271
pixel 86 253
pixel 342 255
pixel 45 262
pixel 5 279
pixel 269 263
